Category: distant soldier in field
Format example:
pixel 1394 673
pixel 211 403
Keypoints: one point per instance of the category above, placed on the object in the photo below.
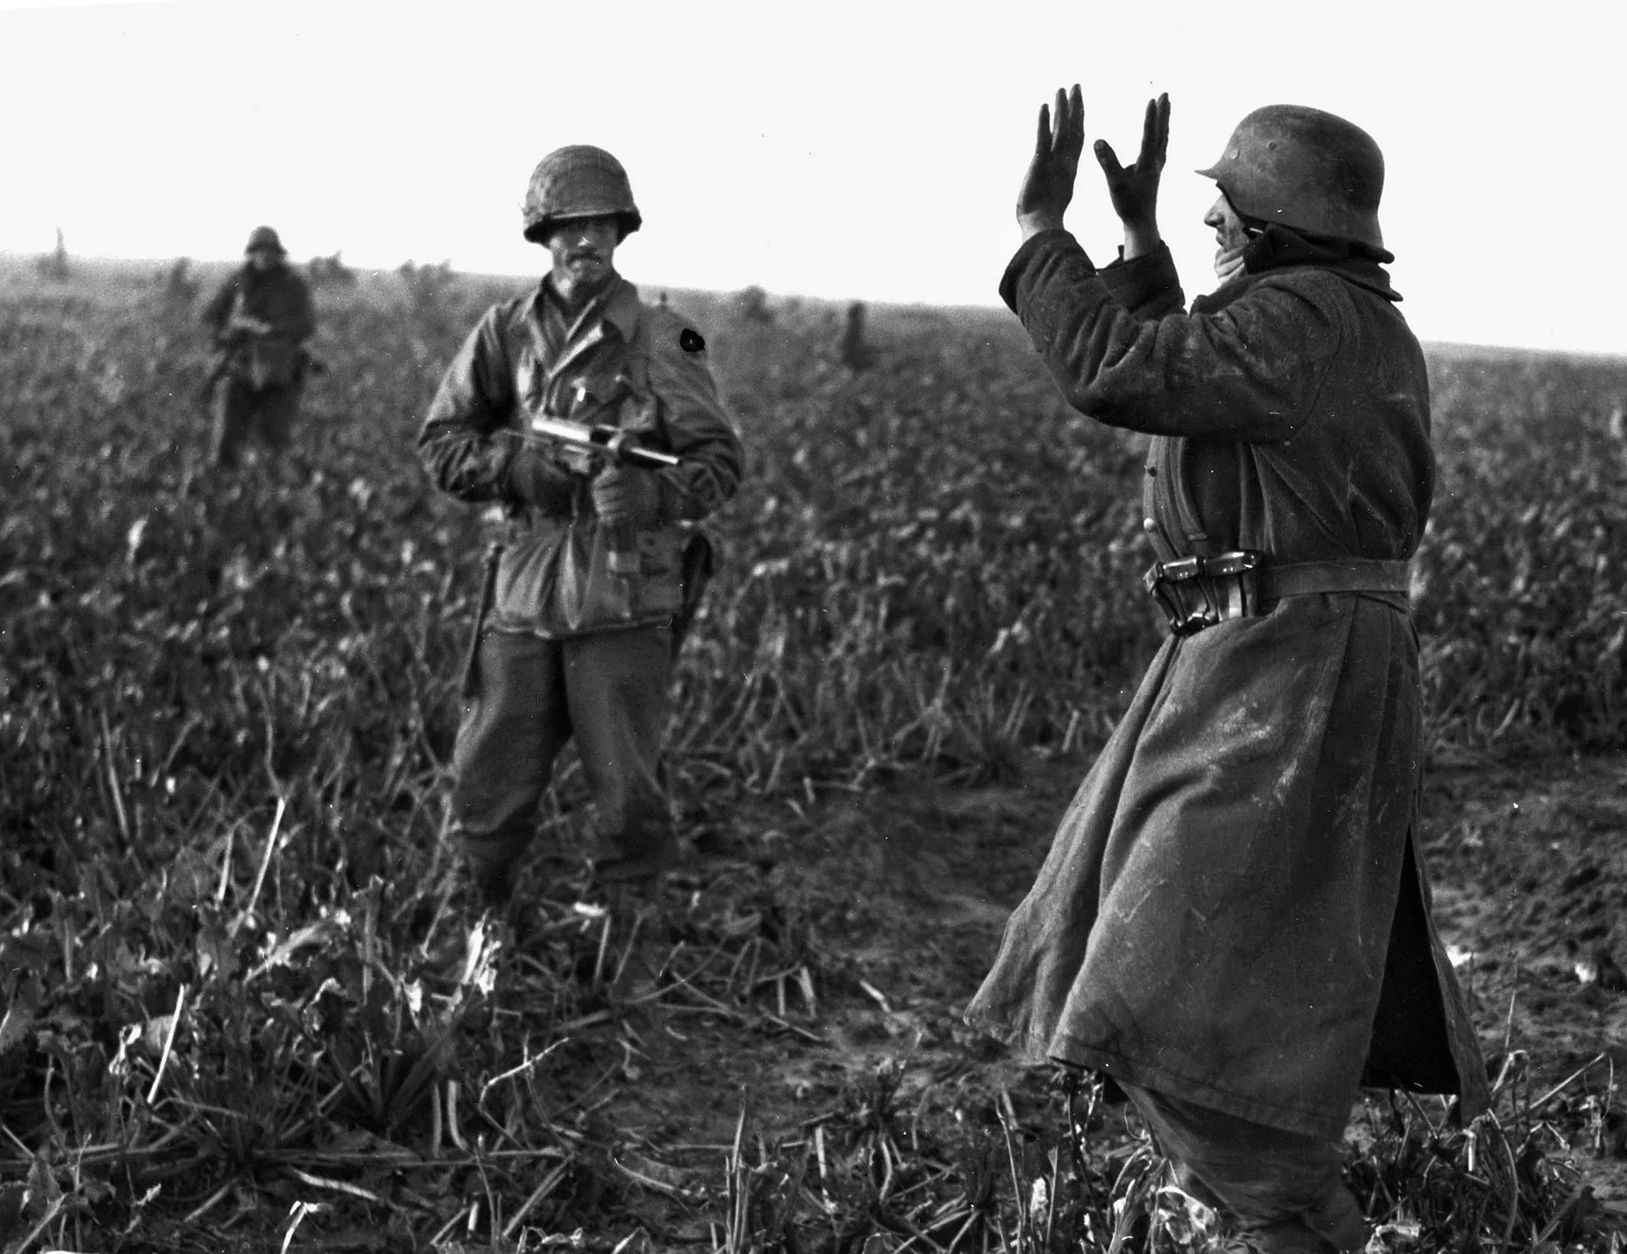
pixel 1233 921
pixel 260 318
pixel 602 567
pixel 854 352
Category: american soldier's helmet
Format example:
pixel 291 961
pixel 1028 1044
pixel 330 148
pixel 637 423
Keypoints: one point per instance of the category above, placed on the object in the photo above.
pixel 264 237
pixel 1306 169
pixel 578 181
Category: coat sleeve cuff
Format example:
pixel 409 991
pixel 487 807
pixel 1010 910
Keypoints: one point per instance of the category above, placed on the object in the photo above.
pixel 1033 248
pixel 1147 285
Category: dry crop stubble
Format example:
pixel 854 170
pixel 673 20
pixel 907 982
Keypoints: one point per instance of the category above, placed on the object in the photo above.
pixel 241 999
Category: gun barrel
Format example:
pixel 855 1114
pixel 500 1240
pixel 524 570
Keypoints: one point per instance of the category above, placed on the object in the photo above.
pixel 619 444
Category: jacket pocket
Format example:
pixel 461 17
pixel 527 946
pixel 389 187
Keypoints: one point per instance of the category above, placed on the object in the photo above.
pixel 560 582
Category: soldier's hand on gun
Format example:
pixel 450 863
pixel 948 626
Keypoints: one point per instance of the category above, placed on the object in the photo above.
pixel 627 496
pixel 1134 189
pixel 536 478
pixel 1047 188
pixel 250 325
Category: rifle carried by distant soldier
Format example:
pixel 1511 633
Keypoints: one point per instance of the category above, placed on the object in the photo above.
pixel 219 366
pixel 233 330
pixel 220 363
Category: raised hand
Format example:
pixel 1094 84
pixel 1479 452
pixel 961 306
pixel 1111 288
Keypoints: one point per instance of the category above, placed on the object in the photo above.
pixel 1048 186
pixel 1134 189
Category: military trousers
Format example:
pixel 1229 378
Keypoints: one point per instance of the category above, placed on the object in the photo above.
pixel 1280 1192
pixel 609 692
pixel 263 414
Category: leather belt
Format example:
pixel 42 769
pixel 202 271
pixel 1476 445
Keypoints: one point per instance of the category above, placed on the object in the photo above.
pixel 1353 574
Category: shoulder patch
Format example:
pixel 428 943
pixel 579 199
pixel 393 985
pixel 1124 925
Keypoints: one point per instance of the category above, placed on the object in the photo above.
pixel 691 341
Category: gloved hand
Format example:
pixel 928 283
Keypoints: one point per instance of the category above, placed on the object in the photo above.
pixel 627 496
pixel 535 478
pixel 1047 188
pixel 1134 189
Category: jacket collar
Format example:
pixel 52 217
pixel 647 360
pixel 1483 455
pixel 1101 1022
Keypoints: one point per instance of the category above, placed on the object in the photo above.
pixel 617 308
pixel 618 304
pixel 1278 247
pixel 622 307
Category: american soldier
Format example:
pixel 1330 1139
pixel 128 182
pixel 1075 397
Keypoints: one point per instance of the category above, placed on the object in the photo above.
pixel 601 565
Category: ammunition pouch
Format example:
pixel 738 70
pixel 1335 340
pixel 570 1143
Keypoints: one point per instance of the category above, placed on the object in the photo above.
pixel 1197 592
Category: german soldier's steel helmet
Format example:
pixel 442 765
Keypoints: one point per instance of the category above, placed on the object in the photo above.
pixel 578 181
pixel 264 237
pixel 1306 169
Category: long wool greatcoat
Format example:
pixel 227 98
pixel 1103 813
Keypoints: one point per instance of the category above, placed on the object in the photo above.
pixel 1233 910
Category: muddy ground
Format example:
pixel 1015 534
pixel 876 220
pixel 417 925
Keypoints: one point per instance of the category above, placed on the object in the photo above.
pixel 905 890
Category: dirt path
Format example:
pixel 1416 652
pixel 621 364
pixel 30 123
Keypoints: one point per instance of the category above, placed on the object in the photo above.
pixel 897 900
pixel 1530 868
pixel 1530 871
pixel 1529 865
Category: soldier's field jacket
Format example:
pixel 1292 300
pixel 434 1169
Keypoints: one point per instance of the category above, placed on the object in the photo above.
pixel 621 363
pixel 1233 910
pixel 278 296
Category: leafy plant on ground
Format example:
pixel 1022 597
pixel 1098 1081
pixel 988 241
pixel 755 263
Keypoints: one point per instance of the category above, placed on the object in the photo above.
pixel 243 1000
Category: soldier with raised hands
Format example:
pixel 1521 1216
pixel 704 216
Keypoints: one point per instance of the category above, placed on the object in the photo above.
pixel 602 562
pixel 1233 921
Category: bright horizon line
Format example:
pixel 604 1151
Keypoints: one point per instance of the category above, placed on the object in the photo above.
pixel 9 257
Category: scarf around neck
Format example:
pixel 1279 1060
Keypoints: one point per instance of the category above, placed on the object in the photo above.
pixel 1277 247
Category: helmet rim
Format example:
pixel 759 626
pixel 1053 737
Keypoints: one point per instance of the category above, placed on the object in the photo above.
pixel 578 181
pixel 1304 168
pixel 264 237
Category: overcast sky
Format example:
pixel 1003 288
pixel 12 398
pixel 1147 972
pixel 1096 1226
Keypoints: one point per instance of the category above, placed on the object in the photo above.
pixel 840 149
